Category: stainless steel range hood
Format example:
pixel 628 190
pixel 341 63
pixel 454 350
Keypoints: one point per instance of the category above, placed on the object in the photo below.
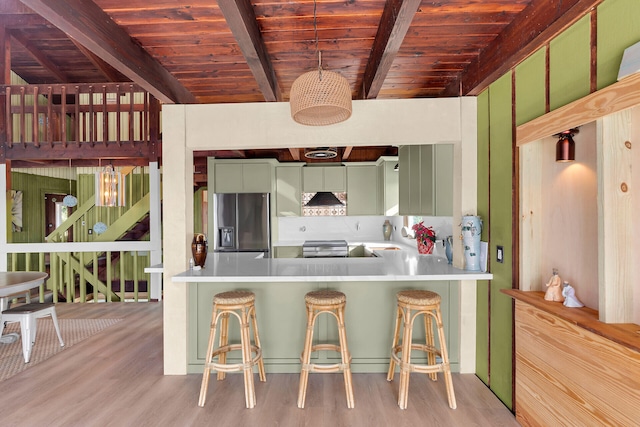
pixel 324 198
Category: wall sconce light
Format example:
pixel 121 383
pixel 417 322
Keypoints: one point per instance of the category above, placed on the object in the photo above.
pixel 109 187
pixel 566 147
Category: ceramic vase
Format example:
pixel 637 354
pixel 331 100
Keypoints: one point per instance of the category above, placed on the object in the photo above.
pixel 448 248
pixel 386 230
pixel 199 249
pixel 471 230
pixel 425 248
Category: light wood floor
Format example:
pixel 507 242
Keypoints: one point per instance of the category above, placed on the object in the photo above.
pixel 115 379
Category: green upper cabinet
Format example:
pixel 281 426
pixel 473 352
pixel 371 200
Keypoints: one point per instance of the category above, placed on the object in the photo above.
pixel 324 178
pixel 289 190
pixel 443 179
pixel 362 189
pixel 426 180
pixel 387 185
pixel 235 177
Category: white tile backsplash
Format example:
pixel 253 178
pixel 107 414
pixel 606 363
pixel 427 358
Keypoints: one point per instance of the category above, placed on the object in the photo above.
pixel 355 229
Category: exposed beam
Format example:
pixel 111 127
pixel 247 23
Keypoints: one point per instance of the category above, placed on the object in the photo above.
pixel 58 153
pixel 95 30
pixel 346 153
pixel 295 153
pixel 396 19
pixel 536 25
pixel 109 72
pixel 241 19
pixel 38 55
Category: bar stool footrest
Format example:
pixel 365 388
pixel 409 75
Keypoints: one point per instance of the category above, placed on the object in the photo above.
pixel 233 367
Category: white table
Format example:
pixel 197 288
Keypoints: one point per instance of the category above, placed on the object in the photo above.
pixel 15 282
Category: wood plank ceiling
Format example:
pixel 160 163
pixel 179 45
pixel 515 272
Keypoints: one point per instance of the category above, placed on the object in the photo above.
pixel 231 51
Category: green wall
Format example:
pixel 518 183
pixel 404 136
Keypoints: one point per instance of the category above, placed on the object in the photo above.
pixel 569 80
pixel 500 222
pixel 33 188
pixel 482 303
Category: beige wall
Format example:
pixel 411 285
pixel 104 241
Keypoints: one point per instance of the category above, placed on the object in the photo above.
pixel 188 128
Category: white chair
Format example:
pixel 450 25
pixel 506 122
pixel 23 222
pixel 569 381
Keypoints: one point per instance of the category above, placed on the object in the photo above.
pixel 27 314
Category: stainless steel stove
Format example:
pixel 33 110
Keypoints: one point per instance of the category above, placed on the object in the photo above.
pixel 325 248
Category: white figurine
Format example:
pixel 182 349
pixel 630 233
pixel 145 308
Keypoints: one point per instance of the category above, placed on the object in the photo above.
pixel 569 294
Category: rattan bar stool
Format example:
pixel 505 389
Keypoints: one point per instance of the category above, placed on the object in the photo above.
pixel 240 304
pixel 411 304
pixel 332 302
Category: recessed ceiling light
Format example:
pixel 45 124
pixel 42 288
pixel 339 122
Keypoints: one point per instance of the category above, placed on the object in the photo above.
pixel 321 153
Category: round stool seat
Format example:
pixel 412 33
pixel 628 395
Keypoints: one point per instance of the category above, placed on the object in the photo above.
pixel 325 297
pixel 418 297
pixel 234 297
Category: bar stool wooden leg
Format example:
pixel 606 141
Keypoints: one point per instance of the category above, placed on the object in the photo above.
pixel 249 390
pixel 346 359
pixel 448 380
pixel 208 359
pixel 403 393
pixel 306 358
pixel 224 340
pixel 431 355
pixel 396 338
pixel 256 339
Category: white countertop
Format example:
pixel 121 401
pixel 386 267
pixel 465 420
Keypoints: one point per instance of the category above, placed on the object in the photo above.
pixel 388 265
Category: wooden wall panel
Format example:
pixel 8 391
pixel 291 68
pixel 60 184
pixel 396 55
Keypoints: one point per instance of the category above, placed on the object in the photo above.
pixel 557 385
pixel 570 64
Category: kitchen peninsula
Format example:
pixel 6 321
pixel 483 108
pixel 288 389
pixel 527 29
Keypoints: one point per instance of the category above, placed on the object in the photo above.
pixel 370 285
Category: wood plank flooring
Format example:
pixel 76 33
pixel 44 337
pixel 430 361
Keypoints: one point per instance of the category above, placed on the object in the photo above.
pixel 115 378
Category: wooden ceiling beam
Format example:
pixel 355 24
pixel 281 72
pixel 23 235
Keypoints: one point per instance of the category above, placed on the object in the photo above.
pixel 38 55
pixel 394 24
pixel 536 25
pixel 29 152
pixel 295 153
pixel 242 21
pixel 95 30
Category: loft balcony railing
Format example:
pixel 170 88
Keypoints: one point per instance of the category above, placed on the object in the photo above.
pixel 76 114
pixel 91 121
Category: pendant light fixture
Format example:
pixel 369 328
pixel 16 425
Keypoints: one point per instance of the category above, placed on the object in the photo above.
pixel 109 187
pixel 70 200
pixel 566 147
pixel 319 97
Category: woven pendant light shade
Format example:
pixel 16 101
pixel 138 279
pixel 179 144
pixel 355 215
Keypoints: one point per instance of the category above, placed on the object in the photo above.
pixel 320 98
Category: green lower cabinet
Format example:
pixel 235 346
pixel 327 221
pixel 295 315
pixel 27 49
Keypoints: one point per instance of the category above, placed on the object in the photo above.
pixel 370 316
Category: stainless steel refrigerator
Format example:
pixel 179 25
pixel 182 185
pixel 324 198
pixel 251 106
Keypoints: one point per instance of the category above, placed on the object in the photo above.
pixel 242 222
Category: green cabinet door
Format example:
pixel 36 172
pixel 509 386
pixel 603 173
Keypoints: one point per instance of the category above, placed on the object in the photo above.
pixel 228 177
pixel 235 177
pixel 323 178
pixel 426 180
pixel 362 190
pixel 256 178
pixel 388 186
pixel 288 190
pixel 443 177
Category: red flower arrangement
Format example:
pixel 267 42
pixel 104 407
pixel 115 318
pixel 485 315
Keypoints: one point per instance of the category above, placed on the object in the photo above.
pixel 425 237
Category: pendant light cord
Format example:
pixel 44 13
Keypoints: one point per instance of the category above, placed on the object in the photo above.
pixel 315 32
